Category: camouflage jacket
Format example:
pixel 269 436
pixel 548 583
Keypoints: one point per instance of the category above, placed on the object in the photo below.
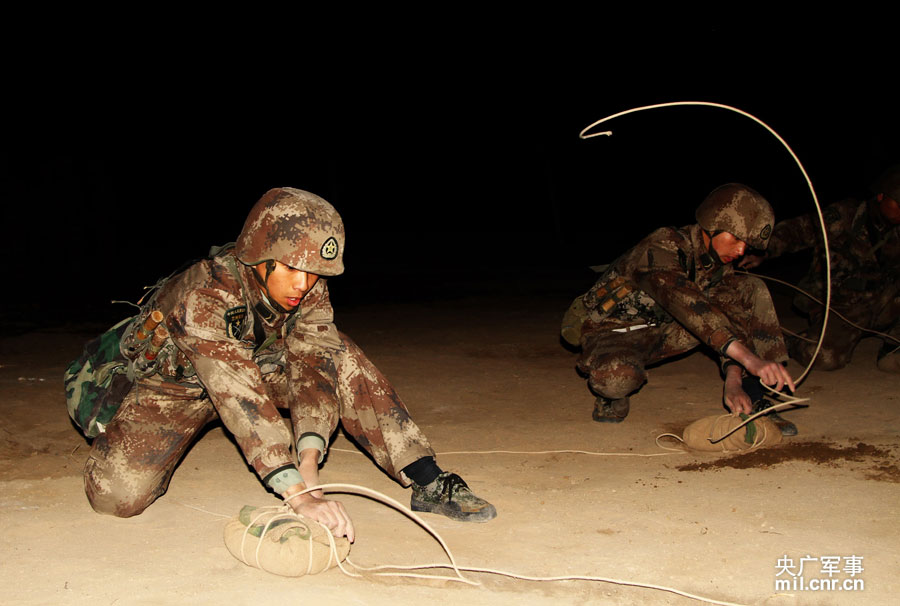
pixel 666 277
pixel 864 249
pixel 223 340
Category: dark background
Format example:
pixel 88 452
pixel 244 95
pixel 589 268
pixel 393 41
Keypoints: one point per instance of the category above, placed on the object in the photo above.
pixel 453 157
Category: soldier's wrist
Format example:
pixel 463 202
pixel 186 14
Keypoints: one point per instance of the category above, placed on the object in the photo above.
pixel 283 478
pixel 311 440
pixel 728 364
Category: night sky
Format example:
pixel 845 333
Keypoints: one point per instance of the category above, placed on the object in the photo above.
pixel 448 163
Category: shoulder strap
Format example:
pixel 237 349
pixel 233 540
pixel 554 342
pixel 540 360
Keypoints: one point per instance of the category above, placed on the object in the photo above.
pixel 259 335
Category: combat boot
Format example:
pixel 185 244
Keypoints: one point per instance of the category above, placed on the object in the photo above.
pixel 449 495
pixel 607 410
pixel 786 427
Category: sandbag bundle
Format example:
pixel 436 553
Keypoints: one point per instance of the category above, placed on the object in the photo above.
pixel 704 434
pixel 282 542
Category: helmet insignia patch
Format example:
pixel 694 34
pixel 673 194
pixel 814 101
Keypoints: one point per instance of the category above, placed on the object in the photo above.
pixel 766 232
pixel 330 249
pixel 234 321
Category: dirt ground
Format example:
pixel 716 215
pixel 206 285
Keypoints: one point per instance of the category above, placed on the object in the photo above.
pixel 483 374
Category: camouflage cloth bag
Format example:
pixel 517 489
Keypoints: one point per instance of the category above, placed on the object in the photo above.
pixel 97 382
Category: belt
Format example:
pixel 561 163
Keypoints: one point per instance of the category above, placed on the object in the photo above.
pixel 633 328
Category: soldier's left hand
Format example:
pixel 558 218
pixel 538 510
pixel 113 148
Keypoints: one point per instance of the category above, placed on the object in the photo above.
pixel 736 399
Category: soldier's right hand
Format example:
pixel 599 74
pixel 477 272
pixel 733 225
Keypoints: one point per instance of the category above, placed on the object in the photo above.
pixel 328 513
pixel 772 374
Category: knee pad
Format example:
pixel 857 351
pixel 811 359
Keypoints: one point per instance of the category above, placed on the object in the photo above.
pixel 617 378
pixel 109 497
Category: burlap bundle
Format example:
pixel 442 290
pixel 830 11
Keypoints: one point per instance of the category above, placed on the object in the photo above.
pixel 757 433
pixel 292 546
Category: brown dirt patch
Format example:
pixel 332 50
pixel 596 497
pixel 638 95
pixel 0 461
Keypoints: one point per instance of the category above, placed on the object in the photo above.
pixel 820 453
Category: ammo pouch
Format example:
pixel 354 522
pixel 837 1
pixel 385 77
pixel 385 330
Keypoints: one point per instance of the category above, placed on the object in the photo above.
pixel 606 297
pixel 98 381
pixel 603 298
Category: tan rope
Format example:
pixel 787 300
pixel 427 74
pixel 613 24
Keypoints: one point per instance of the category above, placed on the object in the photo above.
pixel 286 512
pixel 379 570
pixel 833 310
pixel 583 135
pixel 530 452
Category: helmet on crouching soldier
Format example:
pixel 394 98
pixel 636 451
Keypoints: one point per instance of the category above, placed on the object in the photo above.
pixel 739 210
pixel 296 228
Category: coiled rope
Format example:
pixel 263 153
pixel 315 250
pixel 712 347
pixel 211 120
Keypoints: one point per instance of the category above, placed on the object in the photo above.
pixel 788 400
pixel 284 511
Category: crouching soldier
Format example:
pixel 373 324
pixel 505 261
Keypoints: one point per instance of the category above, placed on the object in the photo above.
pixel 864 241
pixel 677 290
pixel 244 333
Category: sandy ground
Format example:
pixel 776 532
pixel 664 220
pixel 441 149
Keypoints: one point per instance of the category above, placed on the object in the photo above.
pixel 478 375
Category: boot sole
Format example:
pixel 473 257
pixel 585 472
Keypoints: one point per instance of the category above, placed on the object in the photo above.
pixel 482 515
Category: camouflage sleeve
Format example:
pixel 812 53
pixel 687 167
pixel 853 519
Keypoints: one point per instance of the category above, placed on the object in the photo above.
pixel 792 235
pixel 804 232
pixel 310 345
pixel 232 379
pixel 314 325
pixel 661 274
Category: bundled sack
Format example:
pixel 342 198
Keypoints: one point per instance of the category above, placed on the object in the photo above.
pixel 292 546
pixel 759 432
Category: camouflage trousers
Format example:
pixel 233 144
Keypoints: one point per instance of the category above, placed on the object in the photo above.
pixel 876 309
pixel 616 352
pixel 131 463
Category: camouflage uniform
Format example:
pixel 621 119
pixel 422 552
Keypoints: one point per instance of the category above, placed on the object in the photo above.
pixel 665 297
pixel 865 277
pixel 231 356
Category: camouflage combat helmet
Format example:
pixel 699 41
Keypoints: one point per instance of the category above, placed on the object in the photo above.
pixel 294 227
pixel 740 211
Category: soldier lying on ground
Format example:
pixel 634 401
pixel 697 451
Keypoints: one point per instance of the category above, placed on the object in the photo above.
pixel 250 331
pixel 676 290
pixel 864 243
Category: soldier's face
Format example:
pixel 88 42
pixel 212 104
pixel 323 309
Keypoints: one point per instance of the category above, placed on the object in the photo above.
pixel 728 247
pixel 287 286
pixel 889 208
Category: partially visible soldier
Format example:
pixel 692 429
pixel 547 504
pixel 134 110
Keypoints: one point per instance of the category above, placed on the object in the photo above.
pixel 251 330
pixel 677 290
pixel 864 243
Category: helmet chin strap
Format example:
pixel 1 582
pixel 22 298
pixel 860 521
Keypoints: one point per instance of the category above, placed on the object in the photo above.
pixel 710 256
pixel 267 308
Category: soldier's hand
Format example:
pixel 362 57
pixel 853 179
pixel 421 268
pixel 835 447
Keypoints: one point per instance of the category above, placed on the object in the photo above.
pixel 328 513
pixel 772 374
pixel 736 399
